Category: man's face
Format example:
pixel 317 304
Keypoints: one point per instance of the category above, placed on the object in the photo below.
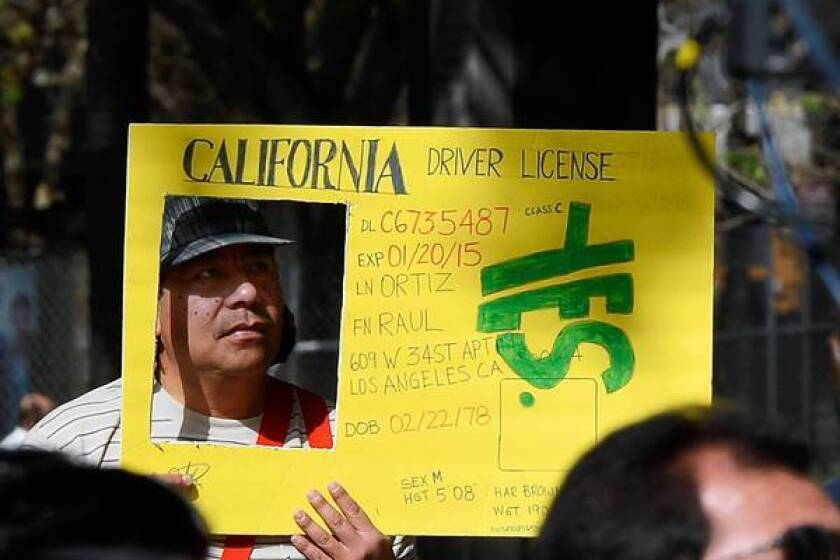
pixel 221 312
pixel 749 507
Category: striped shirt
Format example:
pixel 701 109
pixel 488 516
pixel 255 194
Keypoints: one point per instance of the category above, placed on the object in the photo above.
pixel 88 429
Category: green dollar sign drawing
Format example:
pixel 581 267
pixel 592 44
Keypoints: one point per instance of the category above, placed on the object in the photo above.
pixel 572 300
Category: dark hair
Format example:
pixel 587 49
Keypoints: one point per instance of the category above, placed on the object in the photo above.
pixel 288 337
pixel 626 500
pixel 50 508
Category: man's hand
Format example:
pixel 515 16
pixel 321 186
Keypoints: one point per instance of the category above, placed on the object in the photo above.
pixel 353 536
pixel 174 480
pixel 181 484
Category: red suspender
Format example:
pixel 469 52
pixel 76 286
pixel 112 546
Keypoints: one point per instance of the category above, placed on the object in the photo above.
pixel 276 416
pixel 316 418
pixel 277 412
pixel 238 547
pixel 273 429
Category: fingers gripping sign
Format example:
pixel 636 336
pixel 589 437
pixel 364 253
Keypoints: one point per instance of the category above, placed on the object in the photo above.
pixel 351 535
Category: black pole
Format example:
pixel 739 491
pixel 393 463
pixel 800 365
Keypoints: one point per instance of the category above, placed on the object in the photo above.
pixel 117 94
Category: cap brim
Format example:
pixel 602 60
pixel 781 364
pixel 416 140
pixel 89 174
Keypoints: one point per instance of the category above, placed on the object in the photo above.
pixel 206 244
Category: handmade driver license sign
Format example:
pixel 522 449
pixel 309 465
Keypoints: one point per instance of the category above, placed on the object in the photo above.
pixel 510 297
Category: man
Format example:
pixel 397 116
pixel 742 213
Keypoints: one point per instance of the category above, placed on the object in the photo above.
pixel 693 484
pixel 221 323
pixel 33 407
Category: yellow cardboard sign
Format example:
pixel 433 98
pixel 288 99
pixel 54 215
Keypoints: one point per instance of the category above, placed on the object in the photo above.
pixel 510 297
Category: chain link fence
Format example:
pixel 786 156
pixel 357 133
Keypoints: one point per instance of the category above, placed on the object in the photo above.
pixel 773 320
pixel 44 328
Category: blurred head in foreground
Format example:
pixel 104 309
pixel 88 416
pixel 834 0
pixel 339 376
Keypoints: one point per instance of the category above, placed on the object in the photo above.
pixel 692 484
pixel 51 509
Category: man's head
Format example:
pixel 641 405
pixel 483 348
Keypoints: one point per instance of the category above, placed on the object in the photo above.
pixel 33 407
pixel 52 509
pixel 693 484
pixel 221 307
